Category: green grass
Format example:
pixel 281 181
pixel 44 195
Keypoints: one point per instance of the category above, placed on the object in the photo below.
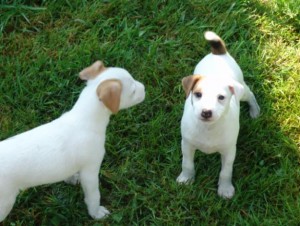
pixel 44 44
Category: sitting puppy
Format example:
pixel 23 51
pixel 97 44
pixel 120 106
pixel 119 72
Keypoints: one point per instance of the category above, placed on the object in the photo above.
pixel 72 144
pixel 210 120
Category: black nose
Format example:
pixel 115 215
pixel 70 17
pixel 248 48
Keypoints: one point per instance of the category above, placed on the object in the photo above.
pixel 206 113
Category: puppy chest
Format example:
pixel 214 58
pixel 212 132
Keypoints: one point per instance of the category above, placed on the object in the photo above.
pixel 209 145
pixel 208 141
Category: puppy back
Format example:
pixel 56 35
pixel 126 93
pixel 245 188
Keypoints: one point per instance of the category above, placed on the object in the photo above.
pixel 217 44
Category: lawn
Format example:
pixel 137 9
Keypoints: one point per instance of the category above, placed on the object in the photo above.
pixel 44 44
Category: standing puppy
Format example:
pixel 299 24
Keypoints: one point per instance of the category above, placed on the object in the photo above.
pixel 70 145
pixel 210 120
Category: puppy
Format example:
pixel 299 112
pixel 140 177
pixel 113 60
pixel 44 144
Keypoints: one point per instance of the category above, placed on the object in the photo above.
pixel 70 145
pixel 210 120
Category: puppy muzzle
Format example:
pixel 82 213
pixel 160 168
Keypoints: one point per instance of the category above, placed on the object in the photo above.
pixel 206 114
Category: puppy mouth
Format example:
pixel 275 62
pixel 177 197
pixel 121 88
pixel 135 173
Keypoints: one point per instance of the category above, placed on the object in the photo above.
pixel 206 119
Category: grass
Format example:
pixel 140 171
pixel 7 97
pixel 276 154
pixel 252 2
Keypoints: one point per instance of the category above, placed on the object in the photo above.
pixel 44 44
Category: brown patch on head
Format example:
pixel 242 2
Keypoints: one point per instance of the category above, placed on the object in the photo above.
pixel 109 92
pixel 189 83
pixel 197 90
pixel 92 71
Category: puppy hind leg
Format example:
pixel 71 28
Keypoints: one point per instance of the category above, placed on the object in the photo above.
pixel 90 185
pixel 6 203
pixel 250 98
pixel 188 169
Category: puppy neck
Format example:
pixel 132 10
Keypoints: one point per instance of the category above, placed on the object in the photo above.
pixel 89 112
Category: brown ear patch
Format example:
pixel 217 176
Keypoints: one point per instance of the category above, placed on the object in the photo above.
pixel 189 83
pixel 109 92
pixel 231 88
pixel 92 71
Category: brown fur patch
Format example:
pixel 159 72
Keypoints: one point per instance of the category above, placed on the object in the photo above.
pixel 197 90
pixel 217 47
pixel 109 92
pixel 231 90
pixel 189 83
pixel 92 71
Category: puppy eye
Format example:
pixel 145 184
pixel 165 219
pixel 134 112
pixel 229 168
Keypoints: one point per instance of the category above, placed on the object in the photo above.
pixel 221 97
pixel 198 94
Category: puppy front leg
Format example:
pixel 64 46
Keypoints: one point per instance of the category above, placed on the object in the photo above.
pixel 188 169
pixel 7 200
pixel 226 189
pixel 90 185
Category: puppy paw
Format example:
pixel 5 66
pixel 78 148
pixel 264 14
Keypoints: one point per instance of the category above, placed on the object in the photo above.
pixel 100 213
pixel 226 191
pixel 185 178
pixel 73 179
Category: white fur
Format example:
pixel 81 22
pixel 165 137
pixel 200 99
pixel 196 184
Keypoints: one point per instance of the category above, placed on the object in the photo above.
pixel 218 133
pixel 70 145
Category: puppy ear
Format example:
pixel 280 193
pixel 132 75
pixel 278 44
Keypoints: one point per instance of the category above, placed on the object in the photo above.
pixel 237 89
pixel 109 92
pixel 92 71
pixel 189 82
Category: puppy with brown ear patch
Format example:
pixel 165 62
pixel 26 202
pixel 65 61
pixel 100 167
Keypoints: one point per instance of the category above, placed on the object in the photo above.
pixel 210 120
pixel 70 145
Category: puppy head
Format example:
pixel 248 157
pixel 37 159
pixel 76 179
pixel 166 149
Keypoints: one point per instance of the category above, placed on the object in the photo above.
pixel 115 87
pixel 210 97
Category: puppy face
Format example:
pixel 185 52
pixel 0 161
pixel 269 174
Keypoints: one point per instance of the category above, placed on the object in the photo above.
pixel 115 87
pixel 210 97
pixel 124 88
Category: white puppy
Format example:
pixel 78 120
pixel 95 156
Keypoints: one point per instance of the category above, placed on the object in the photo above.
pixel 210 120
pixel 72 144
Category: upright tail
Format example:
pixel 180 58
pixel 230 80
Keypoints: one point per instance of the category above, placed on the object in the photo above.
pixel 217 44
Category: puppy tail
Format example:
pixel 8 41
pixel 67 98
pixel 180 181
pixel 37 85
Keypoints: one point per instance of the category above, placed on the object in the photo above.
pixel 217 44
